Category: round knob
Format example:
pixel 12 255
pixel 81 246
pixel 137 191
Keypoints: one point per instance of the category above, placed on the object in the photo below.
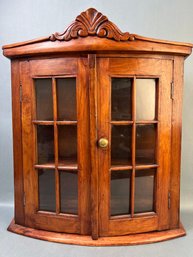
pixel 103 142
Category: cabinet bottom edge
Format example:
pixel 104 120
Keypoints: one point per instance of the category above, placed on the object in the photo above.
pixel 74 239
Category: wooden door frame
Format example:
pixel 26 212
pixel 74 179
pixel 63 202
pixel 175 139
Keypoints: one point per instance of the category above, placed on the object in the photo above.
pixel 112 227
pixel 40 219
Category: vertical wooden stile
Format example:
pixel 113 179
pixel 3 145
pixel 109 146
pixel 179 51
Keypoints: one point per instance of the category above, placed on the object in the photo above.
pixel 57 188
pixel 30 185
pixel 178 65
pixel 17 144
pixel 133 145
pixel 93 144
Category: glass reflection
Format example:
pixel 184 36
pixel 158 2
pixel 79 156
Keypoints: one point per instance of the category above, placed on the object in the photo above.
pixel 145 99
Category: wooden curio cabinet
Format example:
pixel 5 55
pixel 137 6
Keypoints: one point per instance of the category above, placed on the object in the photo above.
pixel 97 132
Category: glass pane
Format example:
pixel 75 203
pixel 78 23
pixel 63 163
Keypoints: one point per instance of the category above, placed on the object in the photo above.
pixel 145 144
pixel 144 190
pixel 67 143
pixel 145 99
pixel 45 144
pixel 66 96
pixel 120 192
pixel 69 192
pixel 121 145
pixel 121 99
pixel 46 179
pixel 44 103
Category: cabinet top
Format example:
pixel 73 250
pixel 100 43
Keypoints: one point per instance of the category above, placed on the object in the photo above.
pixel 93 32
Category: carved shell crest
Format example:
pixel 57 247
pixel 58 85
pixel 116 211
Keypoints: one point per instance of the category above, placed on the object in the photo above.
pixel 92 23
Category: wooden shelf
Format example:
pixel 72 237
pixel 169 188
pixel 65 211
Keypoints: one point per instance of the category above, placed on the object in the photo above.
pixel 120 167
pixel 141 122
pixel 43 122
pixel 67 165
pixel 121 122
pixel 45 166
pixel 124 122
pixel 66 122
pixel 62 165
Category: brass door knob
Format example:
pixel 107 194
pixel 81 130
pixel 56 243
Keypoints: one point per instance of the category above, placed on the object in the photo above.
pixel 103 142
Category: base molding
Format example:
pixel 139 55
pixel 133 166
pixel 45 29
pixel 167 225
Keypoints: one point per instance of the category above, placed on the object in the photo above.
pixel 144 238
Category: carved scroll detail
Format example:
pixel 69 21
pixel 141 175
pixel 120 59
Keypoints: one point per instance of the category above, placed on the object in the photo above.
pixel 92 23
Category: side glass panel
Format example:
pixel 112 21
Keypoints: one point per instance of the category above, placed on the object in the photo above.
pixel 145 99
pixel 46 185
pixel 120 192
pixel 69 191
pixel 44 100
pixel 121 99
pixel 45 144
pixel 121 145
pixel 66 98
pixel 144 190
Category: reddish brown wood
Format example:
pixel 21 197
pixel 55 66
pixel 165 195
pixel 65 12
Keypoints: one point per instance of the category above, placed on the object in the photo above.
pixel 144 238
pixel 119 167
pixel 149 166
pixel 98 45
pixel 42 122
pixel 104 131
pixel 93 145
pixel 133 148
pixel 66 122
pixel 66 223
pixel 125 226
pixel 55 114
pixel 84 160
pixel 17 144
pixel 99 52
pixel 164 143
pixel 176 142
pixel 127 67
pixel 53 66
pixel 30 180
pixel 92 23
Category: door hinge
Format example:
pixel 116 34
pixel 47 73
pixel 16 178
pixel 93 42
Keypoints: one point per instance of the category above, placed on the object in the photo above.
pixel 20 92
pixel 169 200
pixel 24 200
pixel 172 90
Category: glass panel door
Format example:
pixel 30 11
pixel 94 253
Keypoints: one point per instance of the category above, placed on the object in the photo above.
pixel 56 121
pixel 134 125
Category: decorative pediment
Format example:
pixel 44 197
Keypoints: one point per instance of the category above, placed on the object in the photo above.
pixel 92 23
